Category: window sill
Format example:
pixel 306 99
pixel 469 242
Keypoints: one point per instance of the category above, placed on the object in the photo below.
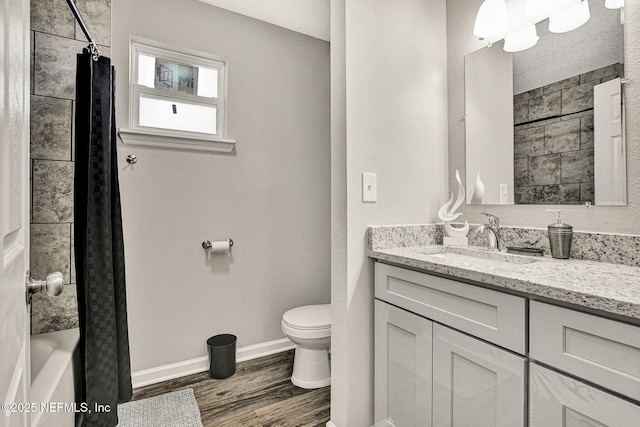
pixel 154 138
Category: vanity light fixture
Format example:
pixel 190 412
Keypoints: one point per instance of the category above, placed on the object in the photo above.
pixel 570 18
pixel 521 40
pixel 614 4
pixel 538 7
pixel 492 19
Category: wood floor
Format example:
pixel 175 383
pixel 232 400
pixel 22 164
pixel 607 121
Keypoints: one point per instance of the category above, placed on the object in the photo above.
pixel 259 394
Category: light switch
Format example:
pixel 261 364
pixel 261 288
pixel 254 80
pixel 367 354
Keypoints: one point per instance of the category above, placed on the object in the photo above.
pixel 369 187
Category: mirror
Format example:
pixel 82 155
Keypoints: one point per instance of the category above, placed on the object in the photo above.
pixel 535 118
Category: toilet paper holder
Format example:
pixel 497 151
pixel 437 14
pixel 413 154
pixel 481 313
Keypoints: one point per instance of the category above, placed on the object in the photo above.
pixel 207 244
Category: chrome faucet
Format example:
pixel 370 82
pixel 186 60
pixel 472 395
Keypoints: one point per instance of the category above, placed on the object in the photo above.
pixel 492 228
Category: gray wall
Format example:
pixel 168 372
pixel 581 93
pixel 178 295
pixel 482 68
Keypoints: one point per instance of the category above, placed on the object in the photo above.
pixel 460 41
pixel 270 195
pixel 56 39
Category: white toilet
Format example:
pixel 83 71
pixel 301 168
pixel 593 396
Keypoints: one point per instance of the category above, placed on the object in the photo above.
pixel 309 327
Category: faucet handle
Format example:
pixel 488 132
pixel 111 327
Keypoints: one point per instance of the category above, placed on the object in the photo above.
pixel 493 220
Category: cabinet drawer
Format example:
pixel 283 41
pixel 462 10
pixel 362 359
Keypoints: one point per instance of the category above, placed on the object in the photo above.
pixel 557 400
pixel 493 316
pixel 603 351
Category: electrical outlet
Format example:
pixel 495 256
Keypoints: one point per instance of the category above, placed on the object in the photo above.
pixel 504 194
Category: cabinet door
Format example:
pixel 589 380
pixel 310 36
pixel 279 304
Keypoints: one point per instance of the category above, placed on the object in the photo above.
pixel 475 383
pixel 557 400
pixel 402 367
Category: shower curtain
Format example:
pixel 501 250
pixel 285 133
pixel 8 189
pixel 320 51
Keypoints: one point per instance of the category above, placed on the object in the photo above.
pixel 99 246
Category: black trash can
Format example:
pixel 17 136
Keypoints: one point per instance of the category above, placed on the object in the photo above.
pixel 222 356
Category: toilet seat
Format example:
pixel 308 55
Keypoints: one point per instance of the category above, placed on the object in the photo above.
pixel 308 317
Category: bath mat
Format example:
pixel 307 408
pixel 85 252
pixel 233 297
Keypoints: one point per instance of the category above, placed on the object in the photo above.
pixel 175 409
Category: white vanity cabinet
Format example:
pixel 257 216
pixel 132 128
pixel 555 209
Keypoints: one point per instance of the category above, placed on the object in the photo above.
pixel 430 374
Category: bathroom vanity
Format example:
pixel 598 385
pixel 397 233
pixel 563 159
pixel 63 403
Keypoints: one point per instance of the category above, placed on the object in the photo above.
pixel 465 336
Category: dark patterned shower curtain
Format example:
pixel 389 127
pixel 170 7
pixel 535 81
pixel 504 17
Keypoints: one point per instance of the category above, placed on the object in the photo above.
pixel 99 246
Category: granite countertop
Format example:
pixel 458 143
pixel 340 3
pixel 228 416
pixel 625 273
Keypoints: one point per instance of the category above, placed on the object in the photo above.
pixel 610 288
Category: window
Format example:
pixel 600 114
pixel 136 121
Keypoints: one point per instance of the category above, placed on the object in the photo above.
pixel 177 98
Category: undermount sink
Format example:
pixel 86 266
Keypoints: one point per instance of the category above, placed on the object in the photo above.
pixel 483 258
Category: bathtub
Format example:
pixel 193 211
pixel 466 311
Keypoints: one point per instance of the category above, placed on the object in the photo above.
pixel 54 367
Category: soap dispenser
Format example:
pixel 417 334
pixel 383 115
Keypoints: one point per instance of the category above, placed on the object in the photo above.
pixel 560 235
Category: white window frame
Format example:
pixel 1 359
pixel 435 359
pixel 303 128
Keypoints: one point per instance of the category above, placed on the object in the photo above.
pixel 173 138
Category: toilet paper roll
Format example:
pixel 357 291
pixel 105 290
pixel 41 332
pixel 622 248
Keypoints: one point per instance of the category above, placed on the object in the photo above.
pixel 220 247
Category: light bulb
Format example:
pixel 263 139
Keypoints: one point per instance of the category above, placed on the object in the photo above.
pixel 614 4
pixel 492 19
pixel 521 40
pixel 538 7
pixel 570 18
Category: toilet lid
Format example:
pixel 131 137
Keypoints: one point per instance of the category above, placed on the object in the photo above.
pixel 309 317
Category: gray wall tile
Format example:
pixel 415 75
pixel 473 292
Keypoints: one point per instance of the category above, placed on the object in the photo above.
pixel 545 170
pixel 53 70
pixel 545 194
pixel 528 142
pixel 521 97
pixel 52 17
pixel 562 136
pixel 96 14
pixel 577 98
pixel 569 193
pixel 521 172
pixel 570 134
pixel 545 106
pixel 73 131
pixel 50 128
pixel 523 195
pixel 546 122
pixel 586 132
pixel 73 255
pixel 55 65
pixel 50 249
pixel 520 112
pixel 608 72
pixel 577 166
pixel 49 314
pixel 533 93
pixel 586 192
pixel 555 193
pixel 32 49
pixel 52 198
pixel 562 84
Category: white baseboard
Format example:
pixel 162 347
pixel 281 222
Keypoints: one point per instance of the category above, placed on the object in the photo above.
pixel 330 424
pixel 255 351
pixel 201 364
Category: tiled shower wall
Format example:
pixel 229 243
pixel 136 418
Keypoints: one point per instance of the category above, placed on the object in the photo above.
pixel 553 140
pixel 55 41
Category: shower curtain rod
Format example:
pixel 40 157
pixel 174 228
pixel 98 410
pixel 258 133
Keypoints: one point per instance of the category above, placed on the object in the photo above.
pixel 95 51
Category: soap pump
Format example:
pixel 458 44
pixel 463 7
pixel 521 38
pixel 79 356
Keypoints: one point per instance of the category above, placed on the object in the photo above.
pixel 560 235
